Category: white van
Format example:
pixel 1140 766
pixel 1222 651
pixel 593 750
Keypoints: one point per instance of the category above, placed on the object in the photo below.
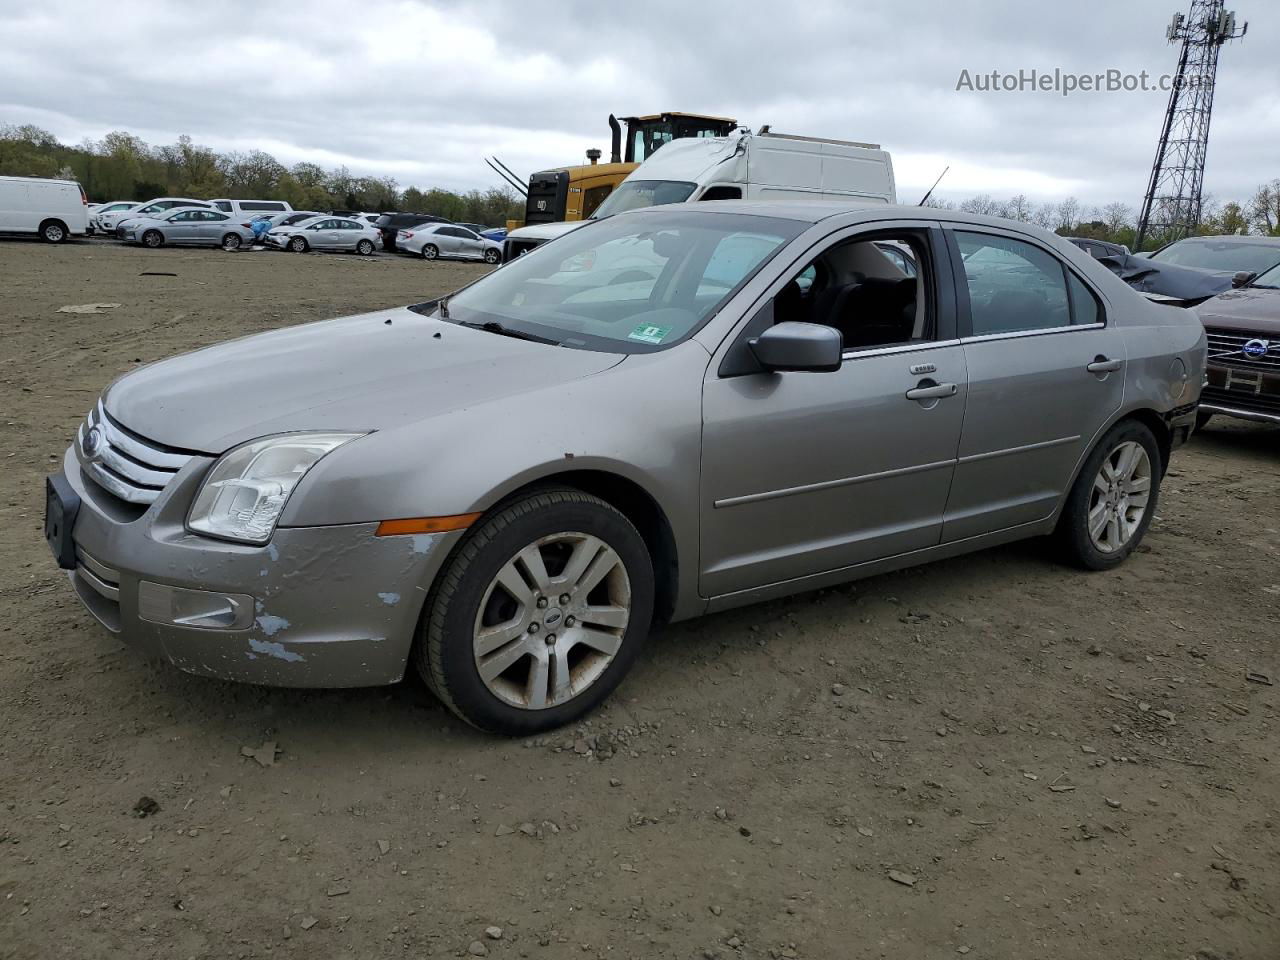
pixel 761 166
pixel 51 209
pixel 251 208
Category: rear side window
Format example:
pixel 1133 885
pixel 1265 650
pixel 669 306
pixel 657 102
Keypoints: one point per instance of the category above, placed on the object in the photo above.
pixel 1013 285
pixel 223 205
pixel 1085 307
pixel 272 205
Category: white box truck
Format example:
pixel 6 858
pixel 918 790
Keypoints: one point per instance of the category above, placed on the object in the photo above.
pixel 51 209
pixel 742 166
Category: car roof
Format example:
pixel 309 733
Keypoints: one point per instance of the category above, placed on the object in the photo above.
pixel 1232 238
pixel 848 211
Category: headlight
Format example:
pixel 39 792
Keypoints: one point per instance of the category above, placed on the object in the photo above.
pixel 244 494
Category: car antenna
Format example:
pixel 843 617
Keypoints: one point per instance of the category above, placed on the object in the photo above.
pixel 925 198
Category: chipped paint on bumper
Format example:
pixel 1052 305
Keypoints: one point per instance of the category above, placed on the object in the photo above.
pixel 333 606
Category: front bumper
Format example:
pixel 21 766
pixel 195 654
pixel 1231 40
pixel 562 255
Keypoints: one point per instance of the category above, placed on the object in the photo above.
pixel 1246 393
pixel 331 606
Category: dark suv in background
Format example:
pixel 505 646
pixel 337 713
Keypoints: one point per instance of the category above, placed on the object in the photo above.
pixel 389 224
pixel 1244 351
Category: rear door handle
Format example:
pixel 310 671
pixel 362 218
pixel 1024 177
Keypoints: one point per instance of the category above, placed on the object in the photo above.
pixel 1102 365
pixel 928 390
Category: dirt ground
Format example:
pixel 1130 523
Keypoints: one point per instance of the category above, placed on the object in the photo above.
pixel 1050 763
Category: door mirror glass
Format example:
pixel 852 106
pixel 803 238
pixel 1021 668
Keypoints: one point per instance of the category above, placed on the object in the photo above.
pixel 801 347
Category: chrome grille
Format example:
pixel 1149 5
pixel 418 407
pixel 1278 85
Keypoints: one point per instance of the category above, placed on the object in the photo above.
pixel 124 464
pixel 1227 346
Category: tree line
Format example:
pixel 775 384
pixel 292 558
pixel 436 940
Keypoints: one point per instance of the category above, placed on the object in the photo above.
pixel 121 166
pixel 1118 222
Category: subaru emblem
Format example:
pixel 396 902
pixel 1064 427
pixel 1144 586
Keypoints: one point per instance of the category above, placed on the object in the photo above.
pixel 1256 349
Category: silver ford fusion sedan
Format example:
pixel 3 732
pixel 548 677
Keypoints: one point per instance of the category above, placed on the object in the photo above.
pixel 661 414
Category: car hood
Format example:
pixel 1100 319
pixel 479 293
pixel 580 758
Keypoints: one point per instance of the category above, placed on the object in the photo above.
pixel 375 371
pixel 1167 282
pixel 1247 309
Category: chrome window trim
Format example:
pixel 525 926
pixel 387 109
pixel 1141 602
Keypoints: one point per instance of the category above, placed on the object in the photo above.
pixel 913 347
pixel 1016 334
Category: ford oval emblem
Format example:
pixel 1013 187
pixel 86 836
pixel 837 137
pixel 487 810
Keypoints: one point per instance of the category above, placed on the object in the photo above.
pixel 1256 349
pixel 92 441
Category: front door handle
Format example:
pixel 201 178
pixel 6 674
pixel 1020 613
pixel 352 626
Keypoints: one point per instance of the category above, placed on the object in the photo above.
pixel 929 390
pixel 1102 365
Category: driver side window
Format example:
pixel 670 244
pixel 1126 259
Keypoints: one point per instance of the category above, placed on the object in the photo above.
pixel 874 289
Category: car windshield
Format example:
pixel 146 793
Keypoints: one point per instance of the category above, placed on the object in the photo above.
pixel 634 194
pixel 629 285
pixel 1269 278
pixel 1221 255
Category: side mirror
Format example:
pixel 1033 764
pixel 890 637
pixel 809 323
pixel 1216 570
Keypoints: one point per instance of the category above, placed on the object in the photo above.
pixel 1241 277
pixel 793 346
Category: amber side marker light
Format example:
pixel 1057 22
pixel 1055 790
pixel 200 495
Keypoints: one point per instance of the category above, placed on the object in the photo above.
pixel 392 528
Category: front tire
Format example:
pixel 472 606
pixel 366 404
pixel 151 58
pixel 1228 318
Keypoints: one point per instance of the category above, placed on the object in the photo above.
pixel 430 252
pixel 364 248
pixel 491 256
pixel 298 245
pixel 1114 498
pixel 153 239
pixel 54 231
pixel 231 242
pixel 539 614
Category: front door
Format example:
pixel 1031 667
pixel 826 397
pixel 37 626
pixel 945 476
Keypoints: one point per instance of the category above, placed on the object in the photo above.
pixel 1046 373
pixel 804 473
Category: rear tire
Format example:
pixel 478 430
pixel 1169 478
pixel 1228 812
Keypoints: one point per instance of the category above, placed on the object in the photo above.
pixel 231 242
pixel 54 231
pixel 153 239
pixel 1113 500
pixel 558 643
pixel 298 245
pixel 430 252
pixel 364 248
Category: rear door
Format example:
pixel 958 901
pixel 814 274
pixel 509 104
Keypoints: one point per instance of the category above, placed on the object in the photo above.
pixel 449 241
pixel 208 226
pixel 1046 372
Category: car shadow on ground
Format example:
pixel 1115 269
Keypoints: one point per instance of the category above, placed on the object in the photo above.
pixel 1226 436
pixel 404 719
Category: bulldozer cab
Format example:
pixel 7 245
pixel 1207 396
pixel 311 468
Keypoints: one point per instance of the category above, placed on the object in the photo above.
pixel 573 193
pixel 646 134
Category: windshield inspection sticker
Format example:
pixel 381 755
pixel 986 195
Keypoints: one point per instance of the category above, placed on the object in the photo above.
pixel 648 334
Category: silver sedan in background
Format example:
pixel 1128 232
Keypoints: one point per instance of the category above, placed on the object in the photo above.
pixel 433 241
pixel 662 414
pixel 190 226
pixel 325 233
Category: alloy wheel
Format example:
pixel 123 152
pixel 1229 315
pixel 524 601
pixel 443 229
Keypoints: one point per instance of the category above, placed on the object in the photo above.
pixel 552 620
pixel 1119 498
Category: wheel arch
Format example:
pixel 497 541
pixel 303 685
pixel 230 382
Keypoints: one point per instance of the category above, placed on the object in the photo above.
pixel 66 230
pixel 1149 418
pixel 634 502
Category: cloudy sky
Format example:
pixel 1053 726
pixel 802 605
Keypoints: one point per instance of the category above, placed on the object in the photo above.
pixel 422 91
